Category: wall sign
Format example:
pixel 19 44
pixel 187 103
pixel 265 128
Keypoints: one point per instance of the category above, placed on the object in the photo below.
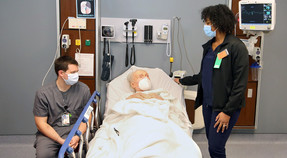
pixel 85 8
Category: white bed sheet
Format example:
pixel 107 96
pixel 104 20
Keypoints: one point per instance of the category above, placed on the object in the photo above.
pixel 136 128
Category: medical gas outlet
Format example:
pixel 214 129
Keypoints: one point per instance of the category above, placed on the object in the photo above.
pixel 257 55
pixel 66 41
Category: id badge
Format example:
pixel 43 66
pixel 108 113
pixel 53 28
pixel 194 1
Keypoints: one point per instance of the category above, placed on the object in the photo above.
pixel 66 119
pixel 217 63
pixel 219 58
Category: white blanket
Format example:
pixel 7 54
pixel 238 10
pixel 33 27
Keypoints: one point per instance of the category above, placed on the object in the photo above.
pixel 137 128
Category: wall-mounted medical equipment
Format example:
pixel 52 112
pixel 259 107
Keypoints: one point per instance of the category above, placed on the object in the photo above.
pixel 65 42
pixel 127 44
pixel 254 71
pixel 138 31
pixel 133 49
pixel 148 33
pixel 108 59
pixel 255 52
pixel 108 31
pixel 257 15
pixel 170 66
pixel 257 55
pixel 120 29
pixel 127 30
pixel 163 33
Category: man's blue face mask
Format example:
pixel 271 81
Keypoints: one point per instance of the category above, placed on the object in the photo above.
pixel 72 79
pixel 208 32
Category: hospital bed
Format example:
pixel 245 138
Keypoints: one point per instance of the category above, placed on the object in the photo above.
pixel 132 130
pixel 144 130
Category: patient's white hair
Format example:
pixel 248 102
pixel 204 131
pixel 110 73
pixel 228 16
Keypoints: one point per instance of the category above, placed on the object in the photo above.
pixel 130 76
pixel 130 79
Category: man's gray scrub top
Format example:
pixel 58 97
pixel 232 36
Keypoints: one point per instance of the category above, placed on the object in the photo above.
pixel 49 102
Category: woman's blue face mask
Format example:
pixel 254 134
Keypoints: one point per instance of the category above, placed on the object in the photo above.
pixel 208 32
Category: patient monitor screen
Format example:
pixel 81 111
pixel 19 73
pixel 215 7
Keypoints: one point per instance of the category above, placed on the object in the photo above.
pixel 256 13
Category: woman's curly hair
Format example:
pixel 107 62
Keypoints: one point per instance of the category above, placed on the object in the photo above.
pixel 220 16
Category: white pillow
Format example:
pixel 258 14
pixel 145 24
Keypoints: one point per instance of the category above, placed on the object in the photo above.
pixel 120 87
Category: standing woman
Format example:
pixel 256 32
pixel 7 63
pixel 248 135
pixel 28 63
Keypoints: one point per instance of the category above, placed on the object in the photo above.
pixel 222 79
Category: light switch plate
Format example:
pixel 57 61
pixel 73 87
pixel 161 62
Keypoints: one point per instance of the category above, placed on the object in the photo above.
pixel 249 93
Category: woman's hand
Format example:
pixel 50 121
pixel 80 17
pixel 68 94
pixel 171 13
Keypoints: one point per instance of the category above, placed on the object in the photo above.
pixel 222 121
pixel 176 80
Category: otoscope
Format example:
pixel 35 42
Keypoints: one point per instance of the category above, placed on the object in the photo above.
pixel 127 45
pixel 133 50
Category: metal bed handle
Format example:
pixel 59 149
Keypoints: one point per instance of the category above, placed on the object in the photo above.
pixel 65 147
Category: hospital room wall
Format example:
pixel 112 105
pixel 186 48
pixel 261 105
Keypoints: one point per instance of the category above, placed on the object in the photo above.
pixel 27 47
pixel 273 96
pixel 28 44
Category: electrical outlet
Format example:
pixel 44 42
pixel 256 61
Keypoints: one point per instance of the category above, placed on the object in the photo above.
pixel 78 42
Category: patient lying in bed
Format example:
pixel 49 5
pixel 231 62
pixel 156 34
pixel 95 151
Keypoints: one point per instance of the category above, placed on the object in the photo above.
pixel 140 81
pixel 144 124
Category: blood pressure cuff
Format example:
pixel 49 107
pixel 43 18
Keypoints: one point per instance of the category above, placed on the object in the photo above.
pixel 106 67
